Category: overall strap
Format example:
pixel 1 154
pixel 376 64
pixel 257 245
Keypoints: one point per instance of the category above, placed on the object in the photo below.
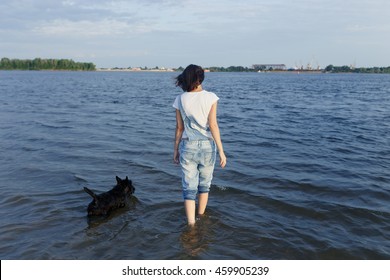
pixel 192 122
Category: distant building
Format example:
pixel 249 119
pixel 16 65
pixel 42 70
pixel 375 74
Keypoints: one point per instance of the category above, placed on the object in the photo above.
pixel 269 66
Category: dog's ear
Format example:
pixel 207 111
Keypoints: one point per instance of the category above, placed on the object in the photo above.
pixel 118 180
pixel 128 181
pixel 91 193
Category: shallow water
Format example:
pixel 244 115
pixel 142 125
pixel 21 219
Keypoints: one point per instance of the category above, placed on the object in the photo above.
pixel 307 175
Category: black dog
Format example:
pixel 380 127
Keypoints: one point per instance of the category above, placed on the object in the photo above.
pixel 115 198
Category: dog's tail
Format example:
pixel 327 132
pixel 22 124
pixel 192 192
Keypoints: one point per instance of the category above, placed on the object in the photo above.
pixel 91 193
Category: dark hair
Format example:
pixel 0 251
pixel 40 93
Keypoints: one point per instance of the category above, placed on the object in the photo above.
pixel 191 77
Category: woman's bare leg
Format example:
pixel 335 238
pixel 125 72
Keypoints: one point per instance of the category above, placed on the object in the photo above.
pixel 189 206
pixel 203 199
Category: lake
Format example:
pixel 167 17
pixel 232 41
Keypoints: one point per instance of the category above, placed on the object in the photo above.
pixel 308 173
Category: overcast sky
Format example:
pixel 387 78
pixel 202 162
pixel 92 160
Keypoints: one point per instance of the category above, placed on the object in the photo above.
pixel 174 33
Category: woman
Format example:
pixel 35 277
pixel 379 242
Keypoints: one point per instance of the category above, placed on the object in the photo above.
pixel 197 134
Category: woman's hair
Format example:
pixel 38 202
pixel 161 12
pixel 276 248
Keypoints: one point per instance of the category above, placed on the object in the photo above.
pixel 191 77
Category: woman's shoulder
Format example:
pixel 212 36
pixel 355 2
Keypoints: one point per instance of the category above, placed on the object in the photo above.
pixel 211 95
pixel 176 101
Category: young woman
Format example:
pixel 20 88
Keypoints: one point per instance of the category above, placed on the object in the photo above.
pixel 196 139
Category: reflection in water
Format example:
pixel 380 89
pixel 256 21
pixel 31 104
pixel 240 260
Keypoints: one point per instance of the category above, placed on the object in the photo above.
pixel 196 239
pixel 94 221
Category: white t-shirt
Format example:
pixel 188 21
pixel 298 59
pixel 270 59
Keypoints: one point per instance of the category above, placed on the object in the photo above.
pixel 197 105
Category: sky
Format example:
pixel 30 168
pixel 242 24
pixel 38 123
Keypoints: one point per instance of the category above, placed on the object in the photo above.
pixel 173 33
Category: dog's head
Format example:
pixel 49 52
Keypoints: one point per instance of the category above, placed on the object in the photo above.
pixel 126 186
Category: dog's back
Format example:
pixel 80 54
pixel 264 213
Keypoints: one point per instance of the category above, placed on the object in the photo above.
pixel 115 198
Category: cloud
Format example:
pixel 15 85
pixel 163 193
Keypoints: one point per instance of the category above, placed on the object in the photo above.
pixel 219 31
pixel 81 28
pixel 367 28
pixel 89 18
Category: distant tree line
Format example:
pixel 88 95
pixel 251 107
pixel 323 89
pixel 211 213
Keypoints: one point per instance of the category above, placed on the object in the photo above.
pixel 348 69
pixel 45 64
pixel 224 69
pixel 329 68
pixel 231 69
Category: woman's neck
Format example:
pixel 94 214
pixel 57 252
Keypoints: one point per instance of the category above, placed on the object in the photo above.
pixel 197 89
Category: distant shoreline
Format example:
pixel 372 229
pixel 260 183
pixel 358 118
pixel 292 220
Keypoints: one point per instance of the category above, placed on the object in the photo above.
pixel 287 72
pixel 49 64
pixel 132 70
pixel 295 72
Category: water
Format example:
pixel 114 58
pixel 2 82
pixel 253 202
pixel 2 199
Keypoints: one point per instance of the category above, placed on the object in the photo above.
pixel 308 174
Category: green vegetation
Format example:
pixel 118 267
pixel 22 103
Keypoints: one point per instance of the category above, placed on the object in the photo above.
pixel 231 69
pixel 45 64
pixel 70 65
pixel 347 69
pixel 223 69
pixel 329 68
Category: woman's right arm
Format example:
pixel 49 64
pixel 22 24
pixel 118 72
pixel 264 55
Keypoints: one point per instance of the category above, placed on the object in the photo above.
pixel 214 128
pixel 178 134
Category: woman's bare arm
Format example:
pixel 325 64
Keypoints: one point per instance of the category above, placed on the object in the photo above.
pixel 214 128
pixel 178 134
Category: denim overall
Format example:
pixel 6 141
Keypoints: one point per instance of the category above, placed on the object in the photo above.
pixel 197 157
